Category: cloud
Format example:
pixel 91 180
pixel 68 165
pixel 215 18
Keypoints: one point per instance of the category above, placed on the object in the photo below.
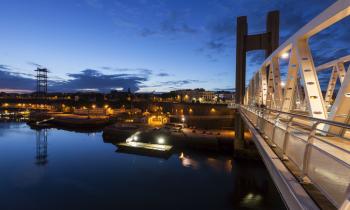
pixel 221 33
pixel 180 82
pixel 173 84
pixel 216 45
pixel 34 64
pixel 142 72
pixel 14 80
pixel 5 67
pixel 172 23
pixel 255 58
pixel 163 75
pixel 147 32
pixel 331 43
pixel 145 72
pixel 86 80
pixel 230 89
pixel 222 28
pixel 94 3
pixel 106 68
pixel 90 79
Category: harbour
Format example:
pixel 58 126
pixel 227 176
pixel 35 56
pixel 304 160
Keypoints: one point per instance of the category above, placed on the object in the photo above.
pixel 81 166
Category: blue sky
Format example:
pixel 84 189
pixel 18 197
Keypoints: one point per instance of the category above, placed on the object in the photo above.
pixel 145 45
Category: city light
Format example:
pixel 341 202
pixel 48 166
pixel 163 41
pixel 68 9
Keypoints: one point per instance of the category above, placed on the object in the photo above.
pixel 93 106
pixel 183 119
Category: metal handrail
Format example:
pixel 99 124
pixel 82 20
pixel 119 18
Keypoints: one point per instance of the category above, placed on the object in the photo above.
pixel 313 129
pixel 313 126
pixel 328 122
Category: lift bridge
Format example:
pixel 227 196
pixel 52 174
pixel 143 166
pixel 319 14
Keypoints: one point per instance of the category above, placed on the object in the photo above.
pixel 301 133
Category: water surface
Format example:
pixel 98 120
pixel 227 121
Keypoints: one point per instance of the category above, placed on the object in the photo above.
pixel 57 169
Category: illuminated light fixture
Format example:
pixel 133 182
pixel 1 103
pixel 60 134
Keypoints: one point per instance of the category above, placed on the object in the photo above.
pixel 161 140
pixel 106 106
pixel 285 55
pixel 93 106
pixel 283 84
pixel 183 119
pixel 135 138
pixel 347 95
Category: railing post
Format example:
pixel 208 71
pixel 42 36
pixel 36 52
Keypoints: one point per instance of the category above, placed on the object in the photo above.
pixel 286 137
pixel 273 131
pixel 346 203
pixel 306 156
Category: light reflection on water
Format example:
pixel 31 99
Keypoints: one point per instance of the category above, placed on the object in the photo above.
pixel 57 169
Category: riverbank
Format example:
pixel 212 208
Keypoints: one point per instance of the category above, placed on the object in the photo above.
pixel 47 119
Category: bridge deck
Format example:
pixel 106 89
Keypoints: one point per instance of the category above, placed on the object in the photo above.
pixel 319 158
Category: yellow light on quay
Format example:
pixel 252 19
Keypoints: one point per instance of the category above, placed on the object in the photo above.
pixel 183 119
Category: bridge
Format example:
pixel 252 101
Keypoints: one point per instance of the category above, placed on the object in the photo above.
pixel 302 135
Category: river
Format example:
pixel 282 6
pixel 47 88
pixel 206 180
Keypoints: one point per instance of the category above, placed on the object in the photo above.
pixel 58 169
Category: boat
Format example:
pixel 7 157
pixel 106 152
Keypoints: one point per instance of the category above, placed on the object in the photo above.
pixel 146 149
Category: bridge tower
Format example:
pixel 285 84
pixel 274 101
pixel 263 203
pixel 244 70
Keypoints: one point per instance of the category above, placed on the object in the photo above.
pixel 41 82
pixel 268 41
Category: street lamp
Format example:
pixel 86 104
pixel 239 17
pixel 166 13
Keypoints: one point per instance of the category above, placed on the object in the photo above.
pixel 285 55
pixel 283 84
pixel 161 140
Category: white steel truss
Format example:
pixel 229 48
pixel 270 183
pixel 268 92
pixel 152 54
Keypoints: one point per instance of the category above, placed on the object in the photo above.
pixel 265 89
pixel 322 130
pixel 338 71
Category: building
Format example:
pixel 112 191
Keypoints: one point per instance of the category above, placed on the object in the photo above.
pixel 195 96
